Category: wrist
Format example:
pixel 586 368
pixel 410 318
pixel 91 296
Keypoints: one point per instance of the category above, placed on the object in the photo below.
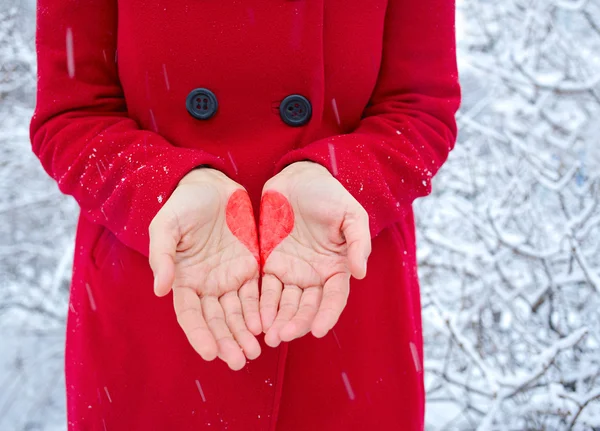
pixel 297 174
pixel 304 165
pixel 205 174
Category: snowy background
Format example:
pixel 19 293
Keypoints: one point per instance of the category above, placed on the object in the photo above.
pixel 509 241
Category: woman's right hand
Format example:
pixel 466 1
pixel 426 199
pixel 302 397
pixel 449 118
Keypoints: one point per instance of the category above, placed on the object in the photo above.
pixel 203 246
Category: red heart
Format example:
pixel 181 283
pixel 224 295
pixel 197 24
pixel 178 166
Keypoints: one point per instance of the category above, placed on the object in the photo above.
pixel 276 222
pixel 240 221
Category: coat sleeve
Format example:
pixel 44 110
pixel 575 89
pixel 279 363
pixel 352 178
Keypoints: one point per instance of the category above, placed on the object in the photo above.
pixel 408 127
pixel 119 174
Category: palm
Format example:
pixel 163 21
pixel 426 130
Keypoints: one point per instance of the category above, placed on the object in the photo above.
pixel 197 249
pixel 210 260
pixel 314 235
pixel 315 250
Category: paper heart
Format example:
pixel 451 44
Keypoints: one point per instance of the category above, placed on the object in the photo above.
pixel 240 221
pixel 276 222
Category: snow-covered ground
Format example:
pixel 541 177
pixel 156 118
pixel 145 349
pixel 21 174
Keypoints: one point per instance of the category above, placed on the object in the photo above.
pixel 509 241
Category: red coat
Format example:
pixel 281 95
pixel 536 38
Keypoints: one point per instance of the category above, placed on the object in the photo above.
pixel 114 132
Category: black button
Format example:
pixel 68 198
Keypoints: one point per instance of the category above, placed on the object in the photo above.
pixel 295 110
pixel 201 103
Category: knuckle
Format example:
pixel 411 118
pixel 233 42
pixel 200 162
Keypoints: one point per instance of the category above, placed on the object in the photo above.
pixel 269 297
pixel 249 298
pixel 214 320
pixel 234 316
pixel 288 307
pixel 267 307
pixel 306 309
pixel 198 329
pixel 182 315
pixel 223 338
pixel 302 322
pixel 332 295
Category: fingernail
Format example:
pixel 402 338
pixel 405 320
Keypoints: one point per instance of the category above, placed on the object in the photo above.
pixel 155 285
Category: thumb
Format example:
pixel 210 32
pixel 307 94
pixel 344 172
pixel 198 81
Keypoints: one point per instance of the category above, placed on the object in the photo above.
pixel 355 229
pixel 164 237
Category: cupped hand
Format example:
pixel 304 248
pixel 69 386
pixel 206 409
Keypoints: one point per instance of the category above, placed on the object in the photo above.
pixel 314 235
pixel 204 246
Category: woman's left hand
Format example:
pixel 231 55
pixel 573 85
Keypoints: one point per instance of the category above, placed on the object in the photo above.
pixel 314 235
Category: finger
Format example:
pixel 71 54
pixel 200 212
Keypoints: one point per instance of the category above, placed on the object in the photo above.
pixel 290 300
pixel 189 316
pixel 248 295
pixel 229 349
pixel 355 229
pixel 335 297
pixel 235 321
pixel 301 322
pixel 269 300
pixel 164 237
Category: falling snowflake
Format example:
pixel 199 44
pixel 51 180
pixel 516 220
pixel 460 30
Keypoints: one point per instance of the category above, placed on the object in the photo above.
pixel 200 391
pixel 333 159
pixel 70 55
pixel 347 385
